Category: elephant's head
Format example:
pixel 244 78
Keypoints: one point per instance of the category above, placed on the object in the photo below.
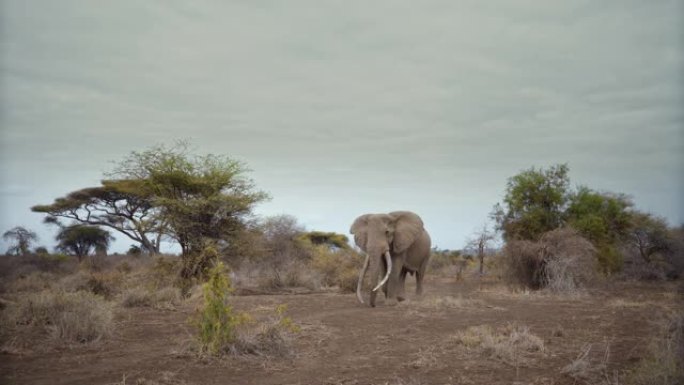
pixel 381 236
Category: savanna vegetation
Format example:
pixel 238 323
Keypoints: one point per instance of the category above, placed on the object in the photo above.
pixel 267 296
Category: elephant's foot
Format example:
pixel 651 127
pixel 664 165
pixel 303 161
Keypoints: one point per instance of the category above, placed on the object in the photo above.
pixel 400 298
pixel 391 302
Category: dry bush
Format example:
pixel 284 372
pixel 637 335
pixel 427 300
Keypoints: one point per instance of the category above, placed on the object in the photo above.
pixel 635 268
pixel 513 344
pixel 79 317
pixel 570 262
pixel 294 274
pixel 562 261
pixel 272 337
pixel 104 283
pixel 339 268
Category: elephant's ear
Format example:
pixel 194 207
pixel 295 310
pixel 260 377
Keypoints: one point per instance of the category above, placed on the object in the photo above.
pixel 408 226
pixel 360 230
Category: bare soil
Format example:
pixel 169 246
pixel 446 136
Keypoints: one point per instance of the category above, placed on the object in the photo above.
pixel 344 342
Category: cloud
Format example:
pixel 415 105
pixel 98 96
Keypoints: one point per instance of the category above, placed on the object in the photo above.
pixel 353 105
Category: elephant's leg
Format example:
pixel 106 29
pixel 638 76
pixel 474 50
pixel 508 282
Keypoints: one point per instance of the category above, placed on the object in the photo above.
pixel 401 295
pixel 393 281
pixel 420 274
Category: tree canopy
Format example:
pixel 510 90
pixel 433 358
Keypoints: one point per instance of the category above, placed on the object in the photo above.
pixel 81 240
pixel 538 201
pixel 534 203
pixel 331 239
pixel 166 192
pixel 122 205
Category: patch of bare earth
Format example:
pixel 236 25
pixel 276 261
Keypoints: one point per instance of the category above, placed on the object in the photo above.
pixel 344 342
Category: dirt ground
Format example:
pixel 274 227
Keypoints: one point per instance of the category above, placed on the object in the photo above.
pixel 344 342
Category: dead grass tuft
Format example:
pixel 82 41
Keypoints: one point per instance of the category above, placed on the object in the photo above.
pixel 587 370
pixel 513 344
pixel 163 298
pixel 270 338
pixel 79 317
pixel 425 358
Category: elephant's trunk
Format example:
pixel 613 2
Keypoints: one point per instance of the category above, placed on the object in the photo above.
pixel 375 263
pixel 362 274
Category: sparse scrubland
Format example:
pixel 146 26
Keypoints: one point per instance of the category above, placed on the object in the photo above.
pixel 584 289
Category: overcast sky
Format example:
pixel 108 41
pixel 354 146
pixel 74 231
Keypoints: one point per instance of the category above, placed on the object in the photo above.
pixel 346 107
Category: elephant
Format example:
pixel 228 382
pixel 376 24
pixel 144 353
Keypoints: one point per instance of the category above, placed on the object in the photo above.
pixel 402 240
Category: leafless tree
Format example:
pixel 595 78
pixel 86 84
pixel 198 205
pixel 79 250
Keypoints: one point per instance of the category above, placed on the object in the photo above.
pixel 480 244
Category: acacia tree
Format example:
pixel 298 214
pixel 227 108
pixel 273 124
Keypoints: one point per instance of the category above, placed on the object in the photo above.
pixel 121 205
pixel 81 240
pixel 22 239
pixel 195 197
pixel 166 192
pixel 332 240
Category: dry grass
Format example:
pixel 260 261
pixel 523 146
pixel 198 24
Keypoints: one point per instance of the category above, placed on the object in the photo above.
pixel 513 344
pixel 664 363
pixel 105 283
pixel 163 298
pixel 445 303
pixel 627 303
pixel 33 282
pixel 425 358
pixel 163 378
pixel 587 370
pixel 272 337
pixel 79 317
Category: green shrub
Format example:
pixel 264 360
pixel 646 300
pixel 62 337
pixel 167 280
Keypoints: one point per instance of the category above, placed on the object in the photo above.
pixel 609 259
pixel 217 321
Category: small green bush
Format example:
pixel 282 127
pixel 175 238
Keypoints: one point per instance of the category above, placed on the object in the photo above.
pixel 217 321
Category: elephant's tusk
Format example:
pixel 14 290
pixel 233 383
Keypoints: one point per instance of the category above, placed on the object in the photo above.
pixel 363 273
pixel 389 269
